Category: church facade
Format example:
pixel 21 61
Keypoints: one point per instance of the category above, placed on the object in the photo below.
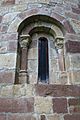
pixel 39 60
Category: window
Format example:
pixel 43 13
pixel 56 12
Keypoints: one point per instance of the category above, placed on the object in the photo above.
pixel 43 61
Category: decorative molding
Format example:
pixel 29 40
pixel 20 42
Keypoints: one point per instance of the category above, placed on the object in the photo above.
pixel 59 42
pixel 25 40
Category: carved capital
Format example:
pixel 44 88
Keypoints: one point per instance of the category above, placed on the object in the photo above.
pixel 59 42
pixel 25 40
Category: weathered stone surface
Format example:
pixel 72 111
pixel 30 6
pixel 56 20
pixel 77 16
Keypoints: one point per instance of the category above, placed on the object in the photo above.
pixel 8 18
pixel 7 91
pixel 43 105
pixel 33 53
pixel 18 105
pixel 21 117
pixel 58 90
pixel 8 37
pixel 2 117
pixel 7 61
pixel 8 2
pixel 72 117
pixel 74 77
pixel 76 25
pixel 3 47
pixel 54 117
pixel 76 10
pixel 7 76
pixel 68 27
pixel 14 25
pixel 73 46
pixel 24 1
pixel 74 105
pixel 60 105
pixel 32 65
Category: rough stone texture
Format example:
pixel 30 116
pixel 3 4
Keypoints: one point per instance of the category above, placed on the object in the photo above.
pixel 72 117
pixel 41 101
pixel 43 105
pixel 54 117
pixel 7 61
pixel 60 105
pixel 73 47
pixel 18 105
pixel 58 90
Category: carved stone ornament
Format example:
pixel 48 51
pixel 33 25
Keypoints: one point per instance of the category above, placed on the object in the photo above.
pixel 59 42
pixel 25 40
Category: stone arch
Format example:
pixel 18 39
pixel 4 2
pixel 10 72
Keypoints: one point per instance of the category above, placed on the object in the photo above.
pixel 34 24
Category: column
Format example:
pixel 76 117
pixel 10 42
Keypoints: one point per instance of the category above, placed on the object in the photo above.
pixel 59 45
pixel 24 41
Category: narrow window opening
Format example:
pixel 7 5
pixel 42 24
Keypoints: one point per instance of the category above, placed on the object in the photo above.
pixel 43 61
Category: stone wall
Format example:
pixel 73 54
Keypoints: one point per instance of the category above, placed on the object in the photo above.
pixel 59 101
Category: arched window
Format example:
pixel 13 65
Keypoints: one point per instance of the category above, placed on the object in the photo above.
pixel 43 61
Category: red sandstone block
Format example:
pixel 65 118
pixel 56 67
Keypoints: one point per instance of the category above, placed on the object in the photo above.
pixel 74 105
pixel 72 46
pixel 74 101
pixel 2 117
pixel 60 105
pixel 17 105
pixel 72 117
pixel 20 117
pixel 8 2
pixel 58 90
pixel 7 77
pixel 76 10
pixel 68 27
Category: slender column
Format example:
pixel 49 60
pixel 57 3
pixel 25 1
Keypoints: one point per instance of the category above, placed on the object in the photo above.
pixel 59 46
pixel 24 42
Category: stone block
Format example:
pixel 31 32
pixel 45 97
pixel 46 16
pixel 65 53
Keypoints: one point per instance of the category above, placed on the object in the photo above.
pixel 58 78
pixel 8 61
pixel 76 25
pixel 72 117
pixel 21 117
pixel 76 10
pixel 9 17
pixel 8 2
pixel 54 117
pixel 74 105
pixel 74 77
pixel 43 105
pixel 24 1
pixel 72 46
pixel 33 53
pixel 4 47
pixel 18 90
pixel 8 37
pixel 60 105
pixel 57 90
pixel 2 117
pixel 17 105
pixel 13 27
pixel 12 47
pixel 7 91
pixel 7 76
pixel 33 77
pixel 32 65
